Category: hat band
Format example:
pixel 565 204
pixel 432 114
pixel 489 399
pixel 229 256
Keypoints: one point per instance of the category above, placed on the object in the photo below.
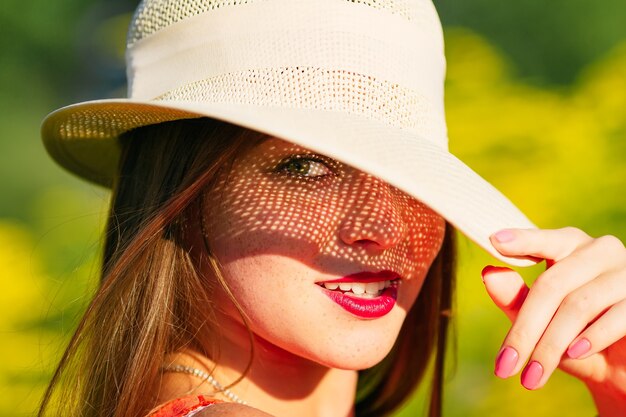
pixel 328 34
pixel 324 90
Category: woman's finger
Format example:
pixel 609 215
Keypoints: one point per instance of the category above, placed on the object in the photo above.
pixel 552 244
pixel 578 309
pixel 544 298
pixel 506 288
pixel 508 291
pixel 605 331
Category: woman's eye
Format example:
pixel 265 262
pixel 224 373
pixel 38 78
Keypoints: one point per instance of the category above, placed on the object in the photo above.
pixel 305 167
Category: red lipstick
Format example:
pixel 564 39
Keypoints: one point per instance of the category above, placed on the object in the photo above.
pixel 368 308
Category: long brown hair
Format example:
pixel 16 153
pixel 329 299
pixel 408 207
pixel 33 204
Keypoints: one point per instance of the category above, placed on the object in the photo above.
pixel 148 302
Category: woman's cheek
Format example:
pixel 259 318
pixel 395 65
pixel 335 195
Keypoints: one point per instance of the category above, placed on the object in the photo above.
pixel 427 231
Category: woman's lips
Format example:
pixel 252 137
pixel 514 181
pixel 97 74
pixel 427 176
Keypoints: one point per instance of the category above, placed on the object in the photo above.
pixel 363 307
pixel 358 294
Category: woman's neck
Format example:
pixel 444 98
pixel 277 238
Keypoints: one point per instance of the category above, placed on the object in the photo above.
pixel 278 382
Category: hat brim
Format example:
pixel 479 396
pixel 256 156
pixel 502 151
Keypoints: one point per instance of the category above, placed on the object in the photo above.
pixel 83 139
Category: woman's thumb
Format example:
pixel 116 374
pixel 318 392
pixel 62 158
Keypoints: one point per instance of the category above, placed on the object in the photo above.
pixel 506 288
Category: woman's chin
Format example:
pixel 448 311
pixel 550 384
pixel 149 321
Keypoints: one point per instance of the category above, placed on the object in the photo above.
pixel 356 358
pixel 353 363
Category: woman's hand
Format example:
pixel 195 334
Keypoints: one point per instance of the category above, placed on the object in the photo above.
pixel 574 315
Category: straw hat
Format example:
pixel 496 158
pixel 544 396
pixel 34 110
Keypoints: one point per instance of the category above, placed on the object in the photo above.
pixel 358 80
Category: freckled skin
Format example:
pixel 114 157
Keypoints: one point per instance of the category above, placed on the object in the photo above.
pixel 278 229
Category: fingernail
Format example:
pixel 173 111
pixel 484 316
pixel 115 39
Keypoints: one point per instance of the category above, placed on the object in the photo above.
pixel 490 268
pixel 486 270
pixel 504 236
pixel 579 348
pixel 505 362
pixel 531 375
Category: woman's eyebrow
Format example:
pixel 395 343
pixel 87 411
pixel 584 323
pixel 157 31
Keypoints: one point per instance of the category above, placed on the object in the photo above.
pixel 282 145
pixel 261 140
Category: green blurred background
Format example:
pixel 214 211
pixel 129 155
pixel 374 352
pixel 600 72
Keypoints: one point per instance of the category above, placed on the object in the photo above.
pixel 536 103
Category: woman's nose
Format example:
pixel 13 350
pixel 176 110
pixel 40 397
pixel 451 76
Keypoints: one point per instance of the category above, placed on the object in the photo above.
pixel 373 217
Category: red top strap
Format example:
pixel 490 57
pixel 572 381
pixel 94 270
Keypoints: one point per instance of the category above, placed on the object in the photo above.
pixel 183 406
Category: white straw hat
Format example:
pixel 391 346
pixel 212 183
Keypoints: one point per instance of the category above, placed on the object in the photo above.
pixel 357 80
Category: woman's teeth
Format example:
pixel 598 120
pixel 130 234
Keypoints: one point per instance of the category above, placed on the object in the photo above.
pixel 360 289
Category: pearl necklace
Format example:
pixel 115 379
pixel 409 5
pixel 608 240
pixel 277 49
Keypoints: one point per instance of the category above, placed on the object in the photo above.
pixel 205 377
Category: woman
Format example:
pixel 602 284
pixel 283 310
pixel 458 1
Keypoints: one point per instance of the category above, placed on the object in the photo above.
pixel 292 251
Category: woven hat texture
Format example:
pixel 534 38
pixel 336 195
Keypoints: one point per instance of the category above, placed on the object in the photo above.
pixel 358 80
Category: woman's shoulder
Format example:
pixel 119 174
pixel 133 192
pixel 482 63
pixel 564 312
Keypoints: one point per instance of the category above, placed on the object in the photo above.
pixel 231 410
pixel 186 406
pixel 204 406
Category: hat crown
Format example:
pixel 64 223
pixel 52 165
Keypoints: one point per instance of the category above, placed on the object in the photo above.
pixel 382 59
pixel 154 15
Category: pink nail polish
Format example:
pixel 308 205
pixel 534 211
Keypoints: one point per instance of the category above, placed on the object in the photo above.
pixel 579 348
pixel 505 362
pixel 504 236
pixel 486 270
pixel 532 375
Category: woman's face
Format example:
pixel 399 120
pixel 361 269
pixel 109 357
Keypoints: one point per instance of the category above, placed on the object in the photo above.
pixel 285 221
